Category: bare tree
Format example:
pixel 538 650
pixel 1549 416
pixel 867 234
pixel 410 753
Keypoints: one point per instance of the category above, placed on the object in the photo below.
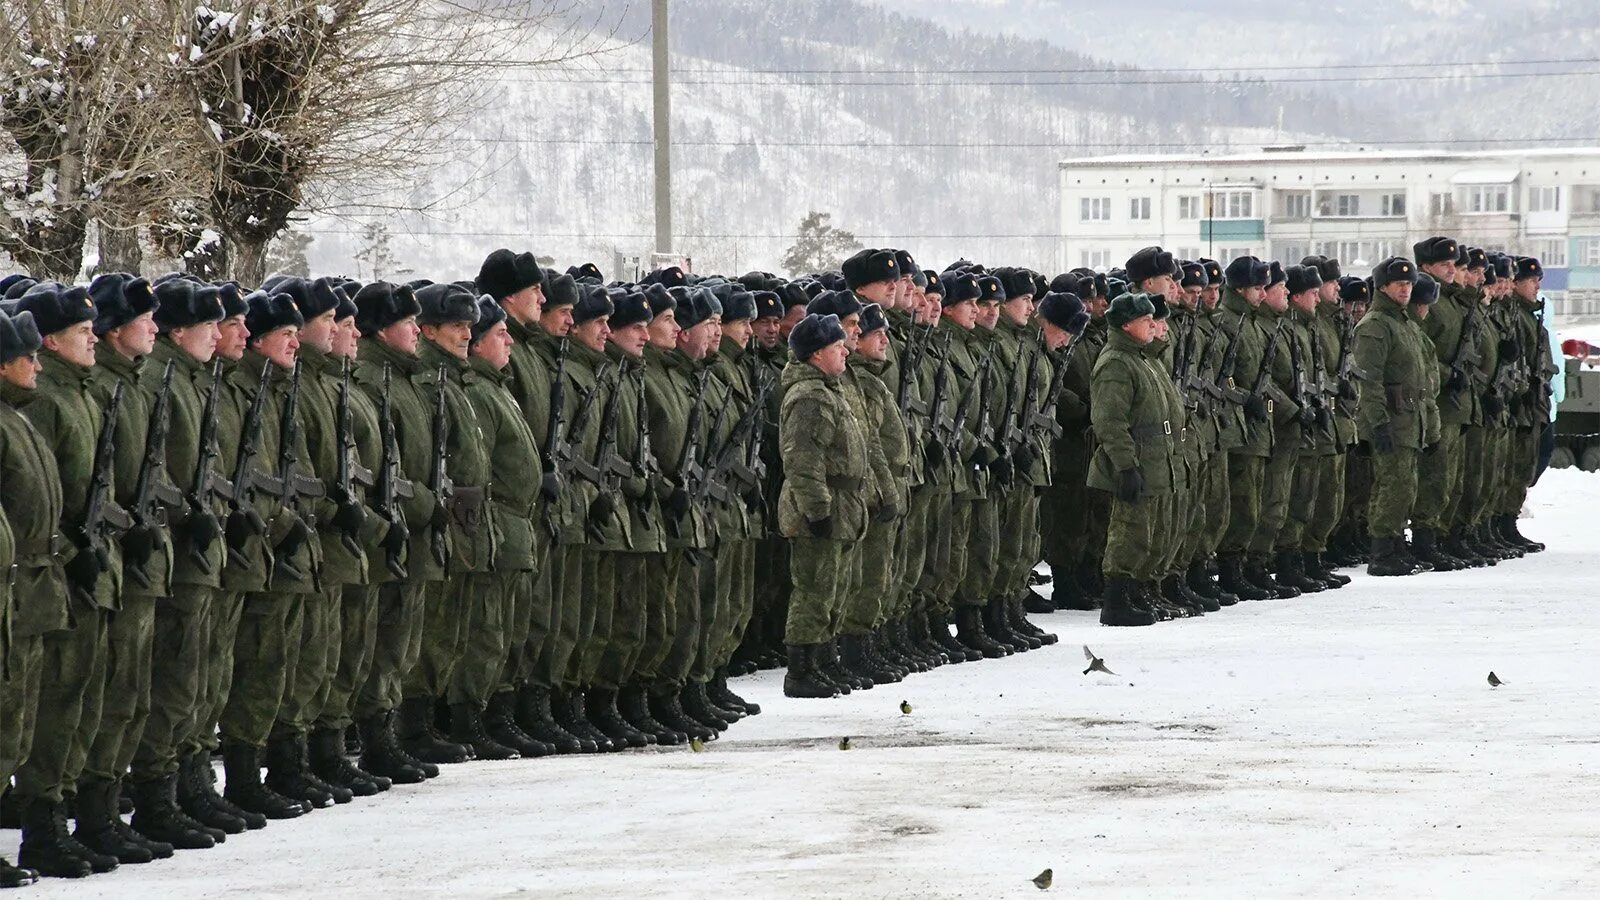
pixel 296 97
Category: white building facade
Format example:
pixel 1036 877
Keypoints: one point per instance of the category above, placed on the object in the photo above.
pixel 1358 206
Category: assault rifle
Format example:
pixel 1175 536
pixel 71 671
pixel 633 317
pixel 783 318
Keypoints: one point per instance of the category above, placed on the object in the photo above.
pixel 690 471
pixel 1464 366
pixel 203 527
pixel 1347 374
pixel 729 461
pixel 609 464
pixel 1045 419
pixel 981 384
pixel 391 485
pixel 439 475
pixel 707 484
pixel 153 494
pixel 103 519
pixel 1265 387
pixel 1226 390
pixel 296 487
pixel 940 434
pixel 1312 414
pixel 348 471
pixel 550 484
pixel 248 479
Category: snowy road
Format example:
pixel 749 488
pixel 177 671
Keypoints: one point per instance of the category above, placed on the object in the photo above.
pixel 1345 743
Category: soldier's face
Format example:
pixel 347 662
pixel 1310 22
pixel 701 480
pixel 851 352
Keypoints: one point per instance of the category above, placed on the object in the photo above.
pixel 198 341
pixel 737 331
pixel 964 314
pixel 1253 295
pixel 494 347
pixel 344 337
pixel 1017 311
pixel 831 359
pixel 874 345
pixel 932 305
pixel 1158 330
pixel 1445 272
pixel 452 337
pixel 879 292
pixel 556 321
pixel 1398 291
pixel 1475 277
pixel 1161 284
pixel 1277 297
pixel 135 339
pixel 75 344
pixel 231 337
pixel 1209 295
pixel 280 345
pixel 1142 329
pixel 401 336
pixel 630 340
pixel 1190 297
pixel 1527 289
pixel 1055 337
pixel 988 315
pixel 1329 292
pixel 22 372
pixel 692 342
pixel 318 332
pixel 791 317
pixel 664 330
pixel 766 331
pixel 525 305
pixel 852 331
pixel 593 333
pixel 1305 301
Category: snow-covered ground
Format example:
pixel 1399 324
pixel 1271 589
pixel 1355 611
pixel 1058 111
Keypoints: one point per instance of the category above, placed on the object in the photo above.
pixel 1345 743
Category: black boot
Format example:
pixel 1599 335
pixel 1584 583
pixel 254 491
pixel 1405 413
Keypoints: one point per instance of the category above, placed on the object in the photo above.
pixel 634 706
pixel 1508 526
pixel 667 709
pixel 418 738
pixel 1386 559
pixel 1177 594
pixel 727 699
pixel 244 789
pixel 1496 532
pixel 328 762
pixel 97 811
pixel 1069 593
pixel 833 663
pixel 1291 572
pixel 997 625
pixel 539 722
pixel 957 651
pixel 156 816
pixel 47 848
pixel 1452 543
pixel 1425 547
pixel 500 724
pixel 157 849
pixel 857 662
pixel 466 728
pixel 573 715
pixel 970 632
pixel 287 774
pixel 1255 571
pixel 800 680
pixel 921 640
pixel 1489 543
pixel 199 800
pixel 1037 603
pixel 892 648
pixel 1199 580
pixel 1465 539
pixel 16 876
pixel 1231 578
pixel 700 708
pixel 381 754
pixel 602 706
pixel 1120 608
pixel 1021 625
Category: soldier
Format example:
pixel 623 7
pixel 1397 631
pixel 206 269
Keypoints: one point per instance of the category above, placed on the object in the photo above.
pixel 770 354
pixel 186 317
pixel 1219 429
pixel 278 563
pixel 822 508
pixel 390 373
pixel 924 547
pixel 1444 323
pixel 1132 459
pixel 72 681
pixel 1483 439
pixel 1248 436
pixel 1329 377
pixel 1394 359
pixel 460 533
pixel 1355 295
pixel 1312 425
pixel 1529 350
pixel 125 326
pixel 35 591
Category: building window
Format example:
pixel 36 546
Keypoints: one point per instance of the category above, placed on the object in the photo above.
pixel 1350 252
pixel 1551 252
pixel 1100 260
pixel 1189 207
pixel 1586 199
pixel 1585 252
pixel 1094 209
pixel 1139 208
pixel 1192 254
pixel 1296 204
pixel 1485 198
pixel 1544 199
pixel 1339 205
pixel 1228 254
pixel 1440 205
pixel 1232 205
pixel 1394 205
pixel 1291 254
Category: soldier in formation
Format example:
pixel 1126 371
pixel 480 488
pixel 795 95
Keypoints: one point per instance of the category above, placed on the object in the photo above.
pixel 341 534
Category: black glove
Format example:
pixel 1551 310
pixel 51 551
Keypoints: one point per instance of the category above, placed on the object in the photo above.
pixel 933 454
pixel 550 486
pixel 1002 470
pixel 83 571
pixel 1363 448
pixel 394 540
pixel 1022 458
pixel 240 530
pixel 886 513
pixel 1347 391
pixel 1493 405
pixel 1255 408
pixel 294 539
pixel 1430 449
pixel 440 518
pixel 678 503
pixel 202 529
pixel 350 517
pixel 1130 484
pixel 1457 382
pixel 820 528
pixel 1383 438
pixel 139 543
pixel 1508 348
pixel 983 456
pixel 1307 417
pixel 603 508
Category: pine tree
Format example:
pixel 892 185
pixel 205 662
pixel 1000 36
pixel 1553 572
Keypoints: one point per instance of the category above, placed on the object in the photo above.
pixel 818 245
pixel 376 259
pixel 286 255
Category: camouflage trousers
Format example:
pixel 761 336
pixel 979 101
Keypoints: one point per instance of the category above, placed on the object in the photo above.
pixel 911 552
pixel 1136 537
pixel 312 642
pixel 21 668
pixel 1522 460
pixel 260 666
pixel 819 569
pixel 1357 489
pixel 180 641
pixel 1328 507
pixel 982 547
pixel 658 582
pixel 932 585
pixel 125 701
pixel 733 582
pixel 630 621
pixel 1019 540
pixel 395 648
pixel 1439 480
pixel 357 629
pixel 1208 518
pixel 219 630
pixel 1277 481
pixel 488 603
pixel 1394 492
pixel 863 609
pixel 681 576
pixel 71 687
pixel 1246 476
pixel 529 629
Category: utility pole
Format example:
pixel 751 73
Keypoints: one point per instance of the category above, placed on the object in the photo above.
pixel 663 124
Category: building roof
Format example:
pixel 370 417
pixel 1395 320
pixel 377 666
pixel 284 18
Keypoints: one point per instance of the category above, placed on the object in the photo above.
pixel 1299 154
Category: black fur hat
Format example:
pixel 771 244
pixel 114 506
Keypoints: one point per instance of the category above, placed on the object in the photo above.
pixel 1015 282
pixel 119 298
pixel 269 312
pixel 835 303
pixel 873 319
pixel 1150 262
pixel 768 306
pixel 56 308
pixel 232 298
pixel 1065 311
pixel 1302 279
pixel 934 287
pixel 960 287
pixel 1247 272
pixel 381 304
pixel 631 308
pixel 868 267
pixel 813 333
pixel 992 290
pixel 1327 267
pixel 1435 250
pixel 793 294
pixel 739 306
pixel 659 297
pixel 490 314
pixel 561 290
pixel 182 304
pixel 1425 292
pixel 504 273
pixel 695 306
pixel 1194 275
pixel 586 272
pixel 1395 268
pixel 671 277
pixel 442 303
pixel 1276 274
pixel 1354 290
pixel 312 298
pixel 1213 271
pixel 19 336
pixel 18 287
pixel 1527 267
pixel 593 302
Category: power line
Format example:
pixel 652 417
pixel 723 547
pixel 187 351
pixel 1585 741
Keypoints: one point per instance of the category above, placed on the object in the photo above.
pixel 1290 67
pixel 931 80
pixel 1351 144
pixel 1318 232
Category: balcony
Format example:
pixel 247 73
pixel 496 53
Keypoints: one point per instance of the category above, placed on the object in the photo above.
pixel 1232 229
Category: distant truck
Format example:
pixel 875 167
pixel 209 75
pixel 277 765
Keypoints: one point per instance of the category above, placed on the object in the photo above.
pixel 1578 418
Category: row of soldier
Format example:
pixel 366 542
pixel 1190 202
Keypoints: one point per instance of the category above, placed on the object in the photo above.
pixel 1246 422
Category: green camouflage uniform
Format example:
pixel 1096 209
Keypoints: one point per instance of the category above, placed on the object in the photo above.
pixel 1395 360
